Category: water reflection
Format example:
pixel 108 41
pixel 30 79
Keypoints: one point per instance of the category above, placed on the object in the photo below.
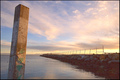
pixel 44 68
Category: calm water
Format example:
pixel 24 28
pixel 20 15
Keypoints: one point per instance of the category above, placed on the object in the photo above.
pixel 45 68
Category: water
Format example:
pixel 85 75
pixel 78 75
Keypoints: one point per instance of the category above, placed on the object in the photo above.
pixel 45 68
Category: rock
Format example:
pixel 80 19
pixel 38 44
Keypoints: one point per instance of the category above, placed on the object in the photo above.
pixel 113 61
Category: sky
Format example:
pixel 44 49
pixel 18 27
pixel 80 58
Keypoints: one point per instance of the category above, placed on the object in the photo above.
pixel 58 26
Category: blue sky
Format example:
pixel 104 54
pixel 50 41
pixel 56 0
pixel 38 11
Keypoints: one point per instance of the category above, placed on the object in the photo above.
pixel 64 25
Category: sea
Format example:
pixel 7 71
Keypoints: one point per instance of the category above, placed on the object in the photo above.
pixel 37 67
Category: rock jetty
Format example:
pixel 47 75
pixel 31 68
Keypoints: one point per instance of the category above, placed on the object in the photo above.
pixel 104 65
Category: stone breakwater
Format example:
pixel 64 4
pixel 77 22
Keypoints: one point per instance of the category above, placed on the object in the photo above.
pixel 104 65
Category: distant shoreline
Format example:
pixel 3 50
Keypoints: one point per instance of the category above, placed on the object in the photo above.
pixel 26 54
pixel 104 65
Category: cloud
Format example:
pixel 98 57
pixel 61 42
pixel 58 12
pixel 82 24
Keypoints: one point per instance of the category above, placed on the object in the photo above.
pixel 5 43
pixel 6 19
pixel 102 3
pixel 85 25
pixel 108 44
pixel 76 11
pixel 5 46
pixel 88 4
pixel 50 48
pixel 89 9
pixel 58 2
pixel 43 46
pixel 67 46
pixel 41 24
pixel 81 25
pixel 49 23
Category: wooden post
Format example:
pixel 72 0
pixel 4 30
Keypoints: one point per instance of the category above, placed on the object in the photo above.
pixel 103 49
pixel 19 43
pixel 96 50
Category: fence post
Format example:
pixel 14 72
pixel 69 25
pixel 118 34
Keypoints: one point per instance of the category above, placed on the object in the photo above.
pixel 19 42
pixel 96 50
pixel 103 49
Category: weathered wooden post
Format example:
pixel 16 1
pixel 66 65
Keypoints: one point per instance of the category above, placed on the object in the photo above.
pixel 19 43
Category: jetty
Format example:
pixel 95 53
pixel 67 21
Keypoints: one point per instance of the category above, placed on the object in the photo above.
pixel 104 65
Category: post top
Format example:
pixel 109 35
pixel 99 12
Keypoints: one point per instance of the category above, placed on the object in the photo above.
pixel 21 11
pixel 19 5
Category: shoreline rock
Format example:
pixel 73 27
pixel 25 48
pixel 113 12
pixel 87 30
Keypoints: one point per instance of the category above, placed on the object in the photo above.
pixel 104 65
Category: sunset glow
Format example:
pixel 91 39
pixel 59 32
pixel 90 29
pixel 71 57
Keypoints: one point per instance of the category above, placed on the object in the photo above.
pixel 65 26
